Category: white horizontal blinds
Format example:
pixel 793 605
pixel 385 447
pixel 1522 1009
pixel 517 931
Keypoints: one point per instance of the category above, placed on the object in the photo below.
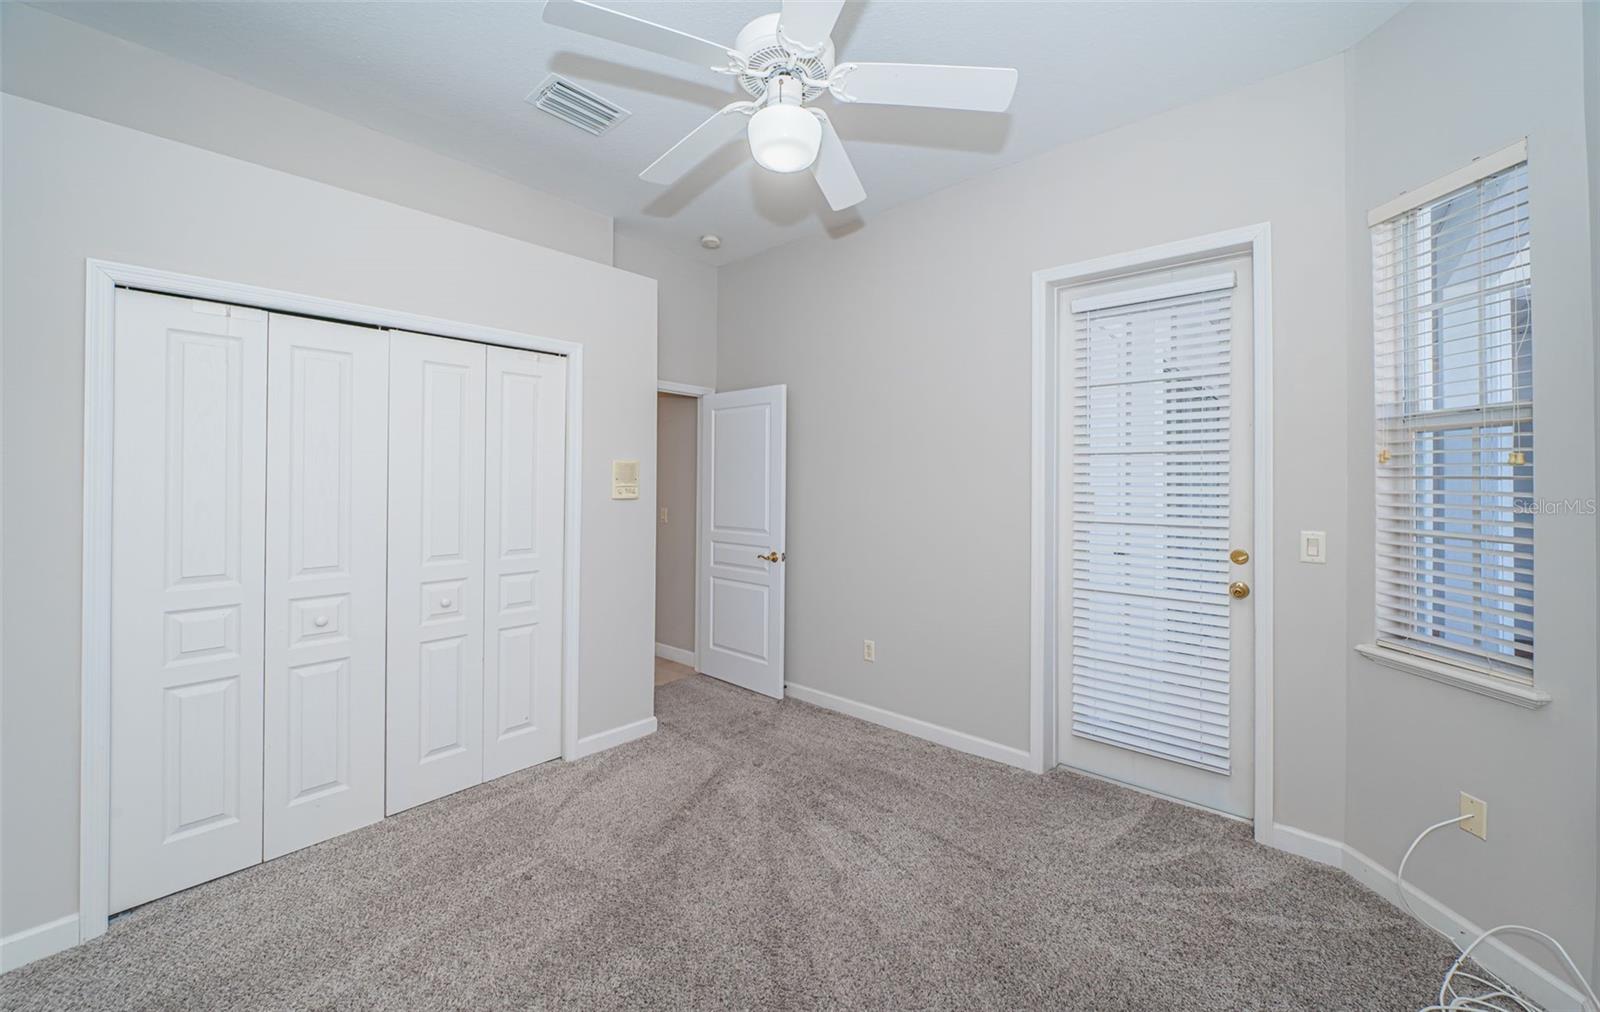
pixel 1454 396
pixel 1150 489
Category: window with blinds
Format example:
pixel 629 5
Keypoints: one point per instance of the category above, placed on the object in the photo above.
pixel 1453 360
pixel 1150 516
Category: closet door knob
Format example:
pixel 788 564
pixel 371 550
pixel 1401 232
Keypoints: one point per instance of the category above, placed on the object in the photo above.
pixel 444 603
pixel 321 620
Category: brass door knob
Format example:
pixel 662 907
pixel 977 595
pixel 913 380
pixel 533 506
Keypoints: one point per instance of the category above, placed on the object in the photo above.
pixel 1238 556
pixel 770 557
pixel 1239 589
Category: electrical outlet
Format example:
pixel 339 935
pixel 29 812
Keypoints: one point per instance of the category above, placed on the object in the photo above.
pixel 663 514
pixel 1478 825
pixel 869 650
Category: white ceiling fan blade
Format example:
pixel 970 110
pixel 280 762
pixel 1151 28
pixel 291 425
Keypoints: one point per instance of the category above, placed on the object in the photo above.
pixel 984 89
pixel 604 23
pixel 808 22
pixel 835 175
pixel 701 142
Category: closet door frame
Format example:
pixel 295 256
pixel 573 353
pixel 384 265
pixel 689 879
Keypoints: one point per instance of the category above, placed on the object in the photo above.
pixel 102 280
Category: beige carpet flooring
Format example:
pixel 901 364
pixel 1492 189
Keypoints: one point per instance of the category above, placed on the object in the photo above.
pixel 761 855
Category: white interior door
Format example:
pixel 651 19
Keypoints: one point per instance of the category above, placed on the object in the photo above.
pixel 187 529
pixel 524 531
pixel 1155 669
pixel 436 618
pixel 742 441
pixel 327 549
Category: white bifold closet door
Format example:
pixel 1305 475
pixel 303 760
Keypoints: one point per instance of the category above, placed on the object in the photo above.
pixel 436 446
pixel 327 468
pixel 476 494
pixel 187 593
pixel 337 560
pixel 524 531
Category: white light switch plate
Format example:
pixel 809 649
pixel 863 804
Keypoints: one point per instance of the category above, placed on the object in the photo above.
pixel 1314 546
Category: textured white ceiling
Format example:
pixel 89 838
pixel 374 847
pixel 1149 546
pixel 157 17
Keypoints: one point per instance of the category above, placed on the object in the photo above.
pixel 453 77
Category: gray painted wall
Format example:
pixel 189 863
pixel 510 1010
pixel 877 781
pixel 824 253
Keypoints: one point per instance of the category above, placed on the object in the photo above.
pixel 688 310
pixel 676 435
pixel 909 416
pixel 1591 88
pixel 75 188
pixel 1536 769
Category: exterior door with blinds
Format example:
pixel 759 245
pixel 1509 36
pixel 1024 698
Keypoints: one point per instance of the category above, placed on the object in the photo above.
pixel 1156 686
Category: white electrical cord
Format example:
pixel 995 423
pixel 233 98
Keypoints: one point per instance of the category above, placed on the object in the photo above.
pixel 1490 992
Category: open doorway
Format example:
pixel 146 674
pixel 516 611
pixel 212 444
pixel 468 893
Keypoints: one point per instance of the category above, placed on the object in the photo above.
pixel 677 452
pixel 720 521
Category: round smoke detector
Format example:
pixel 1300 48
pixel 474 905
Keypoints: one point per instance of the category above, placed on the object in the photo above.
pixel 710 241
pixel 766 56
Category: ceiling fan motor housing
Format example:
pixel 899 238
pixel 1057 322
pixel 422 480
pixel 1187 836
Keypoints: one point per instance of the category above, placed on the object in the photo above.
pixel 767 56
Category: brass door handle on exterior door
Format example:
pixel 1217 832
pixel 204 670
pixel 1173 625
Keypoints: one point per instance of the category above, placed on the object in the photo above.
pixel 771 557
pixel 1239 589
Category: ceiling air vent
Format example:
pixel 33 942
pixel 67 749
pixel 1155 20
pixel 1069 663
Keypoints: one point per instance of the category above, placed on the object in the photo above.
pixel 579 106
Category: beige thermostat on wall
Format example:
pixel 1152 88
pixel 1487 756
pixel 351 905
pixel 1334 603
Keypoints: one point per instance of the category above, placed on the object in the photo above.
pixel 624 479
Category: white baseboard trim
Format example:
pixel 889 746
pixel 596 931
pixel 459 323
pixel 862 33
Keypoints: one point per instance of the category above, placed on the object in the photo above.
pixel 1551 990
pixel 1301 843
pixel 38 942
pixel 670 653
pixel 590 744
pixel 949 738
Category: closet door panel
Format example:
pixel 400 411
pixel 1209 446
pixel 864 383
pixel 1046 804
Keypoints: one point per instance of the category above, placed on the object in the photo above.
pixel 327 548
pixel 436 537
pixel 187 640
pixel 524 538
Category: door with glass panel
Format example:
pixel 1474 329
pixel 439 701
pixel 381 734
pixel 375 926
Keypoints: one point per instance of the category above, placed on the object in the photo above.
pixel 1155 683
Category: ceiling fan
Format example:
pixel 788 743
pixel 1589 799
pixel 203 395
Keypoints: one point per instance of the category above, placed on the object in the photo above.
pixel 784 60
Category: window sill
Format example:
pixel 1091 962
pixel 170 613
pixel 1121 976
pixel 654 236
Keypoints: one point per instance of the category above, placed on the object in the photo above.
pixel 1504 689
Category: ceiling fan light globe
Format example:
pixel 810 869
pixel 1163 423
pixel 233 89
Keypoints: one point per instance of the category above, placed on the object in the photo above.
pixel 784 138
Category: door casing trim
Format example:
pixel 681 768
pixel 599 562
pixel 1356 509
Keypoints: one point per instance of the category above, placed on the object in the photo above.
pixel 1256 240
pixel 103 277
